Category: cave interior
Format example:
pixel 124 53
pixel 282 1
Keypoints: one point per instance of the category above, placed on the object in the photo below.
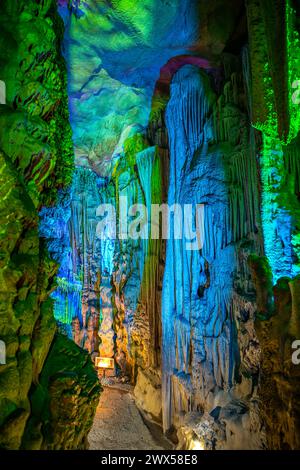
pixel 108 110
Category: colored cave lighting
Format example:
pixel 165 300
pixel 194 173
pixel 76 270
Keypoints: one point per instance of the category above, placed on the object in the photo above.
pixel 110 97
pixel 2 92
pixel 196 445
pixel 278 209
pixel 105 362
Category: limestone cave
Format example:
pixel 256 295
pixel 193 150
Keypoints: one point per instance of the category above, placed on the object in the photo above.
pixel 150 225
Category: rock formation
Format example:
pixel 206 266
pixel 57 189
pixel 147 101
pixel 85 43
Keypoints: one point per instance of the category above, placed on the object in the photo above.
pixel 36 161
pixel 176 103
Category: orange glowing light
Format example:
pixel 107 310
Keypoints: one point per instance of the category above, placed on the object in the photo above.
pixel 105 362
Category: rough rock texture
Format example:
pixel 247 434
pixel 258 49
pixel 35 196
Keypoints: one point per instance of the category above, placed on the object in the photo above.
pixel 277 115
pixel 36 159
pixel 279 379
pixel 70 228
pixel 274 42
pixel 147 391
pixel 191 325
pixel 64 401
pixel 108 37
pixel 210 349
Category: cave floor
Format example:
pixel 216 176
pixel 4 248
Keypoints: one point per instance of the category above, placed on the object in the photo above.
pixel 118 425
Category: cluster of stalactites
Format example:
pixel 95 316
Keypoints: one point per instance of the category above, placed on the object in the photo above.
pixel 196 308
pixel 70 230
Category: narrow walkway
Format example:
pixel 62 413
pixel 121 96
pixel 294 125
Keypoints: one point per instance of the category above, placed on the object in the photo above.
pixel 119 425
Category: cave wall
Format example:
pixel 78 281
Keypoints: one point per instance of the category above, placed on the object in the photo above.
pixel 223 361
pixel 205 117
pixel 210 349
pixel 36 152
pixel 275 68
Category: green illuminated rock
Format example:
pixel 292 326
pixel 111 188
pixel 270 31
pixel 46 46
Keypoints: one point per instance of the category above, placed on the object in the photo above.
pixel 36 159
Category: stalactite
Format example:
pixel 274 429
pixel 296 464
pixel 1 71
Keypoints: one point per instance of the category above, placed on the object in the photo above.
pixel 188 109
pixel 70 229
pixel 212 161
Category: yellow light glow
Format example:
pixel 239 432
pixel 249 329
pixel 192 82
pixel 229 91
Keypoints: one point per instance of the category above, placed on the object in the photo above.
pixel 196 445
pixel 105 362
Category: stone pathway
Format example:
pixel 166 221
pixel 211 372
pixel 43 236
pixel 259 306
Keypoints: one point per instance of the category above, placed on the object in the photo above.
pixel 119 425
